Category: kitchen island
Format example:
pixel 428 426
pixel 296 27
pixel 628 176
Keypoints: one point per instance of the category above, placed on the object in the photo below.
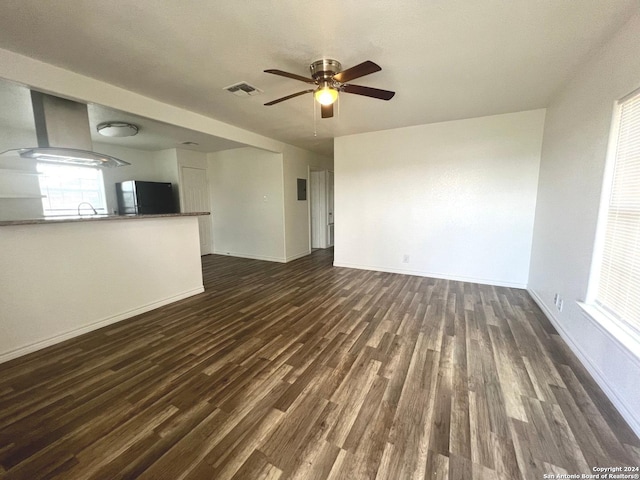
pixel 64 276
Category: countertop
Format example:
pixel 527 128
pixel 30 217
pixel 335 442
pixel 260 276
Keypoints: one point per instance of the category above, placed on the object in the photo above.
pixel 94 218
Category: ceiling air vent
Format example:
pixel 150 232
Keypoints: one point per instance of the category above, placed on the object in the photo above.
pixel 242 89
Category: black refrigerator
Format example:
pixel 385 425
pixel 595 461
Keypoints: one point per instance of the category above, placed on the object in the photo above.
pixel 143 198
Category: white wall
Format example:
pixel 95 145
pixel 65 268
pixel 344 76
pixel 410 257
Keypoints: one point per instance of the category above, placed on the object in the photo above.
pixel 167 165
pixel 13 184
pixel 255 208
pixel 11 138
pixel 457 197
pixel 573 160
pixel 62 280
pixel 246 186
pixel 297 163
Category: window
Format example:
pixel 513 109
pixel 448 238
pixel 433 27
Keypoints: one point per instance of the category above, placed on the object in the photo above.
pixel 65 187
pixel 615 285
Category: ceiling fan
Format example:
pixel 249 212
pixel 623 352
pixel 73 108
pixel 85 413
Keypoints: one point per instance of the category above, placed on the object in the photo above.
pixel 329 78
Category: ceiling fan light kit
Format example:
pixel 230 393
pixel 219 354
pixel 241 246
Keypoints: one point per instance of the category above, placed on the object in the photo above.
pixel 326 95
pixel 330 79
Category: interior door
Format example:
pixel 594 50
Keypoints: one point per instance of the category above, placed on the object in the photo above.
pixel 195 198
pixel 318 206
pixel 330 208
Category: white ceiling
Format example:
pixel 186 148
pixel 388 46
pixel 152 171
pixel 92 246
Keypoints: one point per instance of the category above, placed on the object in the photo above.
pixel 446 59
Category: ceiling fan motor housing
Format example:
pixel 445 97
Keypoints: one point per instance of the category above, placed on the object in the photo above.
pixel 322 70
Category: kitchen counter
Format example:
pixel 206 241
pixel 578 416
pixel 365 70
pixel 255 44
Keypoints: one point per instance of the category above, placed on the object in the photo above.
pixel 94 218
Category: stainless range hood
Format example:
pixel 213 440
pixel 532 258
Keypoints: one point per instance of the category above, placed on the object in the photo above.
pixel 64 134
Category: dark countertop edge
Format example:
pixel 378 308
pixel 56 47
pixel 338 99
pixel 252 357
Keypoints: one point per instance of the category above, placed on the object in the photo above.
pixel 87 218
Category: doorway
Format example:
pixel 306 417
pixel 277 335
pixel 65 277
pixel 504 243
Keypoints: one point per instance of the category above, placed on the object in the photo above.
pixel 321 205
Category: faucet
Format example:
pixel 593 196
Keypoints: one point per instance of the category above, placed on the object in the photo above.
pixel 95 212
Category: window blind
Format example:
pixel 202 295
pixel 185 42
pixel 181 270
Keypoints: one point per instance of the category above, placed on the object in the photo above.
pixel 618 289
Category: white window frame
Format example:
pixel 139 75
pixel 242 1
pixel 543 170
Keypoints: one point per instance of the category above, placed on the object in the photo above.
pixel 101 206
pixel 626 333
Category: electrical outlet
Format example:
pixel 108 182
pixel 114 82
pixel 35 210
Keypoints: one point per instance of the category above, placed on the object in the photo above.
pixel 558 302
pixel 405 258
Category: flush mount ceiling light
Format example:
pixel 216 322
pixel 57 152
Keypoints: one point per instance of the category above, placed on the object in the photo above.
pixel 117 129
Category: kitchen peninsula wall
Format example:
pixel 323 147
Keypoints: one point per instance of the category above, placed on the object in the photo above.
pixel 65 278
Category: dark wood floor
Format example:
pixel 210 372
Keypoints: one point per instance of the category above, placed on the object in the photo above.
pixel 312 372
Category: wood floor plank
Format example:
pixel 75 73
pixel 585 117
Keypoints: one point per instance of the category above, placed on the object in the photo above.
pixel 565 438
pixel 113 445
pixel 257 467
pixel 460 437
pixel 316 461
pixel 481 451
pixel 307 371
pixel 505 457
pixel 185 454
pixel 610 443
pixel 440 430
pixel 224 467
pixel 437 467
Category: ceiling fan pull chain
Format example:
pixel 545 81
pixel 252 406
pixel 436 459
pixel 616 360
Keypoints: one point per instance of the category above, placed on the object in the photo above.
pixel 315 120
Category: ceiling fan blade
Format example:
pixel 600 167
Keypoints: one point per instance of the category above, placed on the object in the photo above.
pixel 273 102
pixel 326 111
pixel 365 68
pixel 368 91
pixel 291 75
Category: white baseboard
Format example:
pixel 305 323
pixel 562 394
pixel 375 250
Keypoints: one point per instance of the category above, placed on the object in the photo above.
pixel 419 273
pixel 619 403
pixel 291 258
pixel 32 347
pixel 251 256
